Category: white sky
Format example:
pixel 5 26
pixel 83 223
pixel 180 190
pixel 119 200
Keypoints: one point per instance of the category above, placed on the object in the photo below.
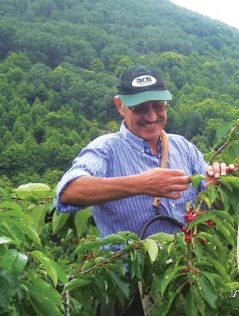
pixel 225 11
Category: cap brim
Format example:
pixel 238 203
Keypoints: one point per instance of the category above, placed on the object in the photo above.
pixel 138 98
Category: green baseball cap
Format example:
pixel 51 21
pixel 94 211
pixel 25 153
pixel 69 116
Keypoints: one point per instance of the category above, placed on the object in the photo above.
pixel 139 84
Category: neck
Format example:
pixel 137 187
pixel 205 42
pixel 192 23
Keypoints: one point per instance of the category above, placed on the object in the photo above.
pixel 154 146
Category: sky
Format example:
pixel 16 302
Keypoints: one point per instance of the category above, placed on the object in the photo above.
pixel 224 11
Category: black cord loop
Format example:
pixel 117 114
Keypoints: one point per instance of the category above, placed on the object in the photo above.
pixel 158 218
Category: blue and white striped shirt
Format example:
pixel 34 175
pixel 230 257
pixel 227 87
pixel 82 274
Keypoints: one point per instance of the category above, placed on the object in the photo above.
pixel 123 154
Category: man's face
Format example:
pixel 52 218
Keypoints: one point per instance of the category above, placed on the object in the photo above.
pixel 146 120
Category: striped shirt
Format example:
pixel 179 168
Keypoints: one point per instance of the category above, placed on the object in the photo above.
pixel 121 154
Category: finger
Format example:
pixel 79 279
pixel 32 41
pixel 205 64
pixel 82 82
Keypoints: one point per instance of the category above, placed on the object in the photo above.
pixel 178 187
pixel 180 180
pixel 172 195
pixel 172 172
pixel 209 171
pixel 223 168
pixel 216 169
pixel 231 168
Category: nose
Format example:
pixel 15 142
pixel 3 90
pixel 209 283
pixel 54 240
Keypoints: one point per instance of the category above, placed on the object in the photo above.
pixel 151 115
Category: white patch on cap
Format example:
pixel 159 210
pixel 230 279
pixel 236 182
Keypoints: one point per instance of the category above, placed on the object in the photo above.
pixel 143 81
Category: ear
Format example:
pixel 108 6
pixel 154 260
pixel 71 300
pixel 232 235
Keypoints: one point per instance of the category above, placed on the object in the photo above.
pixel 119 105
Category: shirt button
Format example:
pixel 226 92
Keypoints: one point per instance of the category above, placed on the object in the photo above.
pixel 173 204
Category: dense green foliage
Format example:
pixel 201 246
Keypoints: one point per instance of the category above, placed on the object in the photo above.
pixel 55 264
pixel 58 65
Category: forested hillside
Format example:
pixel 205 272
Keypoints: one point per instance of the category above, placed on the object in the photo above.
pixel 58 65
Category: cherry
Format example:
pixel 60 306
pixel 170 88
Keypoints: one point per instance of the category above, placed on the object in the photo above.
pixel 85 256
pixel 188 238
pixel 190 217
pixel 210 223
pixel 184 229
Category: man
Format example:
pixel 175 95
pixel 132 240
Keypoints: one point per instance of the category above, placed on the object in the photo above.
pixel 118 174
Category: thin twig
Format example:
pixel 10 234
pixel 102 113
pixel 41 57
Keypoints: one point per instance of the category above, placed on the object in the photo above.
pixel 219 150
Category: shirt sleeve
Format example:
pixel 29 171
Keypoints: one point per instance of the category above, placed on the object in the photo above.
pixel 90 162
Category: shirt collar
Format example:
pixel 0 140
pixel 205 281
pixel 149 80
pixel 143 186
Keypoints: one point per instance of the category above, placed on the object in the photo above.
pixel 135 141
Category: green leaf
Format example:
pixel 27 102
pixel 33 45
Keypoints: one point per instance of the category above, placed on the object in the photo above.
pixel 42 304
pixel 225 198
pixel 170 276
pixel 235 204
pixel 40 190
pixel 76 283
pixel 220 249
pixel 179 241
pixel 195 179
pixel 9 290
pixel 230 303
pixel 47 264
pixel 212 190
pixel 14 261
pixel 162 237
pixel 27 230
pixel 112 239
pixel 60 273
pixel 190 304
pixel 45 289
pixel 4 195
pixel 220 269
pixel 11 209
pixel 87 265
pixel 201 219
pixel 198 248
pixel 120 283
pixel 223 215
pixel 225 232
pixel 167 304
pixel 87 245
pixel 5 240
pixel 11 206
pixel 208 291
pixel 58 221
pixel 198 299
pixel 230 181
pixel 214 279
pixel 10 228
pixel 127 235
pixel 137 264
pixel 152 248
pixel 38 215
pixel 81 221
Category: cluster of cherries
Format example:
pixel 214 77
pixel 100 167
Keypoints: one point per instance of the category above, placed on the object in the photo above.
pixel 190 216
pixel 87 256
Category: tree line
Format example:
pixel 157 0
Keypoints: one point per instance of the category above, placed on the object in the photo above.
pixel 59 61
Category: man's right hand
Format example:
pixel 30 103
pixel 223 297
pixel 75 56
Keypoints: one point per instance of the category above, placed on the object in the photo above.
pixel 164 182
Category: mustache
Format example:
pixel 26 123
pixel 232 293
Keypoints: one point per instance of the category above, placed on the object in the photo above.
pixel 145 123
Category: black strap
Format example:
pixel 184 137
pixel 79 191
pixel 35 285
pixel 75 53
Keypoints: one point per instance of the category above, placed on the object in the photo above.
pixel 158 218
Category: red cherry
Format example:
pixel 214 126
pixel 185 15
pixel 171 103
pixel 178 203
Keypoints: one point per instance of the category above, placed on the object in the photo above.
pixel 85 256
pixel 184 229
pixel 190 217
pixel 188 238
pixel 191 209
pixel 210 223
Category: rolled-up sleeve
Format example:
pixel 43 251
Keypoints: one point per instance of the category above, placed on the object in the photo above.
pixel 90 162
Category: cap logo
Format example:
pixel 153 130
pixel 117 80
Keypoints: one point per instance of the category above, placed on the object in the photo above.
pixel 143 81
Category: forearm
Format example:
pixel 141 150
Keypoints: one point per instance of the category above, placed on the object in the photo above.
pixel 86 190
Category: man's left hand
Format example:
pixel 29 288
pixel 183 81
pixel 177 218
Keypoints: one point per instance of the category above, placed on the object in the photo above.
pixel 216 170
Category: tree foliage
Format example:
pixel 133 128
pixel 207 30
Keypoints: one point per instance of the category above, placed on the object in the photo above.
pixel 56 263
pixel 58 65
